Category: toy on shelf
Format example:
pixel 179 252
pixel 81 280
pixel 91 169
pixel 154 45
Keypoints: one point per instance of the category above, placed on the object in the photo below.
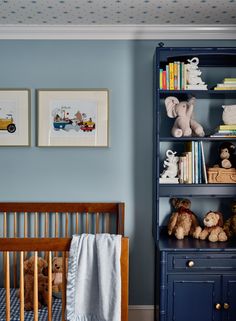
pixel 184 124
pixel 171 168
pixel 229 114
pixel 213 228
pixel 194 81
pixel 224 171
pixel 230 224
pixel 183 221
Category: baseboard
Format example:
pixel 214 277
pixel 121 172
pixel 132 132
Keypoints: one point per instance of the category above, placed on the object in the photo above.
pixel 141 313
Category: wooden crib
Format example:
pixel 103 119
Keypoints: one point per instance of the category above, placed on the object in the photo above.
pixel 45 229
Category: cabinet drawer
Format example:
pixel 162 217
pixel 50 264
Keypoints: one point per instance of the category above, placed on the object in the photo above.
pixel 196 262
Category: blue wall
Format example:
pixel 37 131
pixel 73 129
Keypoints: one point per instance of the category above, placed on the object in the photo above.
pixel 122 172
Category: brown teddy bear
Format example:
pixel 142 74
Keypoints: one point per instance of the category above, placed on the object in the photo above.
pixel 230 224
pixel 29 283
pixel 183 221
pixel 57 269
pixel 213 230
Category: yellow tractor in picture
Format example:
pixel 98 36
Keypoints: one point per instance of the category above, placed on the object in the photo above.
pixel 7 124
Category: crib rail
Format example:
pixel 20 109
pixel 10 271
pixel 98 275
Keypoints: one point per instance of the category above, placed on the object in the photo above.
pixel 36 228
pixel 57 244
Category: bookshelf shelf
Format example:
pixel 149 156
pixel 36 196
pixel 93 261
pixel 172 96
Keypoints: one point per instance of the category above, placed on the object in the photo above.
pixel 214 267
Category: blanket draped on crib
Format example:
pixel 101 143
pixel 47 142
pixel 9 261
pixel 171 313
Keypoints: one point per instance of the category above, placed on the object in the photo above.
pixel 94 278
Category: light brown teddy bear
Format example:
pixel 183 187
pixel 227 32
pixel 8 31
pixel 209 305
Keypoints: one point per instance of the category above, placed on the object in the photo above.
pixel 230 224
pixel 57 269
pixel 183 221
pixel 29 283
pixel 213 231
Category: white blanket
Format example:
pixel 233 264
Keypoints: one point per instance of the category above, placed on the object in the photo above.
pixel 94 278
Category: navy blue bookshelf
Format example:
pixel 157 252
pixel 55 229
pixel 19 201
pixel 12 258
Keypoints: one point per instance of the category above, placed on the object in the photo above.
pixel 195 280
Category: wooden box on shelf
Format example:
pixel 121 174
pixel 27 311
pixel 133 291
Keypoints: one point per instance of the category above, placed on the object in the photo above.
pixel 221 175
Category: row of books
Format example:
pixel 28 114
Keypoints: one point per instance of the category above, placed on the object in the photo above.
pixel 228 84
pixel 173 76
pixel 191 166
pixel 224 131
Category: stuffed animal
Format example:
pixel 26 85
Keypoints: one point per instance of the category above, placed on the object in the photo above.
pixel 57 269
pixel 227 159
pixel 213 228
pixel 184 124
pixel 230 224
pixel 183 221
pixel 229 114
pixel 29 283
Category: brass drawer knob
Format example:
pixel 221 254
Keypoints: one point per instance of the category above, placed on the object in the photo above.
pixel 218 306
pixel 190 263
pixel 226 306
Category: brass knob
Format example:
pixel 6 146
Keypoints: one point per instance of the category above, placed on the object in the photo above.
pixel 190 263
pixel 218 306
pixel 226 306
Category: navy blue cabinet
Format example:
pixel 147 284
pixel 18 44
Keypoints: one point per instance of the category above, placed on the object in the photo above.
pixel 195 280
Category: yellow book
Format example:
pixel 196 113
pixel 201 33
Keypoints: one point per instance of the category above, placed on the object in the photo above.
pixel 171 69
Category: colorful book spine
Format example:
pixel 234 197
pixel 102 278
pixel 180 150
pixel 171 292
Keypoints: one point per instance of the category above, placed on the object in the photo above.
pixel 160 78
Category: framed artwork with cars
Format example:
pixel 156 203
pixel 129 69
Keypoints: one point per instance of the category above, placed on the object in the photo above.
pixel 72 117
pixel 14 117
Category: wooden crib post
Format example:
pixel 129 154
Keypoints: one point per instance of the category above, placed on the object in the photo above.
pixel 22 303
pixel 35 286
pixel 25 229
pixel 7 279
pixel 50 286
pixel 15 253
pixel 63 286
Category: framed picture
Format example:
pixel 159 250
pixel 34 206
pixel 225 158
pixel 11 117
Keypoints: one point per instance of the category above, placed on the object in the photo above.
pixel 14 117
pixel 72 117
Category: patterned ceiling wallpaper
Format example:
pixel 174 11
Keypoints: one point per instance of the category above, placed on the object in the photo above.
pixel 76 12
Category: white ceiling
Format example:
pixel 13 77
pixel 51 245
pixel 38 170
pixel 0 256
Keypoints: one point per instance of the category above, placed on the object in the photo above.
pixel 117 12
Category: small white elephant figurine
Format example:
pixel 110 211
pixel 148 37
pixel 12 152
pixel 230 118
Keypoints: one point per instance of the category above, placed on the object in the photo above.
pixel 193 73
pixel 184 124
pixel 170 165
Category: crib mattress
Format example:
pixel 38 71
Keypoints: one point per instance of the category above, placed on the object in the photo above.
pixel 29 315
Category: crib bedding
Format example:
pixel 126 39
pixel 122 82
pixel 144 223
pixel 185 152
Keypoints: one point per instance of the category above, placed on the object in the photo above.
pixel 29 315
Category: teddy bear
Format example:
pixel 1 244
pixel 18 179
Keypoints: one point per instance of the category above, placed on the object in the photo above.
pixel 29 283
pixel 230 224
pixel 57 273
pixel 213 228
pixel 183 221
pixel 184 124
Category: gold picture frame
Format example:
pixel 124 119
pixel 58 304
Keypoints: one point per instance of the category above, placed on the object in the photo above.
pixel 72 117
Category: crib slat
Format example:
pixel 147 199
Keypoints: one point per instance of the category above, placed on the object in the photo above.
pixel 107 223
pixel 50 286
pixel 97 222
pixel 56 229
pixel 35 286
pixel 46 225
pixel 8 303
pixel 63 286
pixel 87 223
pixel 36 224
pixel 25 228
pixel 5 225
pixel 66 227
pixel 77 223
pixel 14 254
pixel 22 303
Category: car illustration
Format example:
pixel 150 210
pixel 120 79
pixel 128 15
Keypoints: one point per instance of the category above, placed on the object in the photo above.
pixel 7 124
pixel 87 126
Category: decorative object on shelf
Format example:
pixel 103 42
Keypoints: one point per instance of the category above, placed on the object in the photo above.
pixel 183 221
pixel 221 175
pixel 229 114
pixel 171 168
pixel 14 117
pixel 227 158
pixel 230 224
pixel 213 228
pixel 194 81
pixel 73 117
pixel 184 124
